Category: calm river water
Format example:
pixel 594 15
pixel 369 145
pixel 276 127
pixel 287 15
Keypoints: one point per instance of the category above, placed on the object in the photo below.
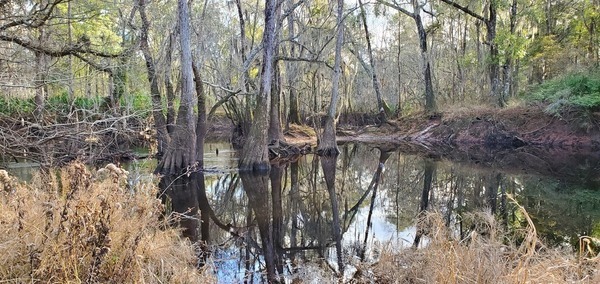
pixel 287 217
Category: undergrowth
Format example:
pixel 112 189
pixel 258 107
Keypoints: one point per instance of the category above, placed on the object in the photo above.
pixel 488 255
pixel 579 91
pixel 72 226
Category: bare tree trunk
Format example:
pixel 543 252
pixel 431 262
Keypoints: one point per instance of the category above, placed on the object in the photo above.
pixel 41 68
pixel 430 106
pixel 381 107
pixel 201 123
pixel 327 144
pixel 169 85
pixel 400 84
pixel 181 152
pixel 255 155
pixel 429 95
pixel 291 71
pixel 275 131
pixel 40 83
pixel 490 25
pixel 508 70
pixel 159 119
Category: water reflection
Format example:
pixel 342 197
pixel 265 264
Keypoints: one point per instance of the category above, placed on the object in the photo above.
pixel 265 228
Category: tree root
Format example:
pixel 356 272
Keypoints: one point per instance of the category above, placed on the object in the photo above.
pixel 280 150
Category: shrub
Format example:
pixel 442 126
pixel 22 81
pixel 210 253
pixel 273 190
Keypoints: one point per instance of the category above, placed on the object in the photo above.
pixel 72 226
pixel 579 91
pixel 486 256
pixel 12 106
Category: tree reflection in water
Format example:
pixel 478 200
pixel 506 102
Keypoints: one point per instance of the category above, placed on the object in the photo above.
pixel 263 228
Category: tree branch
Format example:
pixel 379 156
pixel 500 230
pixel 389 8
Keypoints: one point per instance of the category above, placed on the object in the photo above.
pixel 71 50
pixel 395 6
pixel 301 59
pixel 466 10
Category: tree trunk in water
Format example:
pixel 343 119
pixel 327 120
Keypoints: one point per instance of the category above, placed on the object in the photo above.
pixel 255 156
pixel 201 123
pixel 427 181
pixel 383 156
pixel 275 176
pixel 327 144
pixel 159 119
pixel 328 164
pixel 181 152
pixel 256 188
pixel 181 193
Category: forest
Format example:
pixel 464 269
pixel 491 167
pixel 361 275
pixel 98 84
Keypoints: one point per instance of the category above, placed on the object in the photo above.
pixel 82 71
pixel 88 83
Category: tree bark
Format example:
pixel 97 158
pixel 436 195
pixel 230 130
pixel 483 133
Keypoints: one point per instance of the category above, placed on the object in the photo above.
pixel 275 131
pixel 201 122
pixel 162 135
pixel 181 152
pixel 170 92
pixel 255 155
pixel 328 144
pixel 291 71
pixel 381 108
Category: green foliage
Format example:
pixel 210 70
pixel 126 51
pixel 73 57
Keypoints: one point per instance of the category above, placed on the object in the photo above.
pixel 140 102
pixel 10 106
pixel 62 102
pixel 579 90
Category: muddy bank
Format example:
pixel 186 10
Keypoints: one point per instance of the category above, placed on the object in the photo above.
pixel 517 140
pixel 505 128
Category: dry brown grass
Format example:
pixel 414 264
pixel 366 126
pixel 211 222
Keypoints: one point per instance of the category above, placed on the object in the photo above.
pixel 483 258
pixel 71 226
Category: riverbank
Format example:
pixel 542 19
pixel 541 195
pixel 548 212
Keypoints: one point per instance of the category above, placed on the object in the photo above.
pixel 496 128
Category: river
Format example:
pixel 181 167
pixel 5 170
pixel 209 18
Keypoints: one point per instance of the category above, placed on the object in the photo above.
pixel 288 218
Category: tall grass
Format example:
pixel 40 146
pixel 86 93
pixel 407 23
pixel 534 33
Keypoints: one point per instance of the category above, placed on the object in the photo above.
pixel 74 226
pixel 486 256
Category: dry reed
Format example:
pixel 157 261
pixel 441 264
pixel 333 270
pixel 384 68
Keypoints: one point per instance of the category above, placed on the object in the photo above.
pixel 486 256
pixel 72 226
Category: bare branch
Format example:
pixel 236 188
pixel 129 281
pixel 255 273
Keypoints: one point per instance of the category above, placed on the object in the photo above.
pixel 465 10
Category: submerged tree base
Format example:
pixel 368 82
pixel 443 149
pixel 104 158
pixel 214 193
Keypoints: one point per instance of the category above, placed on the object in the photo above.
pixel 328 152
